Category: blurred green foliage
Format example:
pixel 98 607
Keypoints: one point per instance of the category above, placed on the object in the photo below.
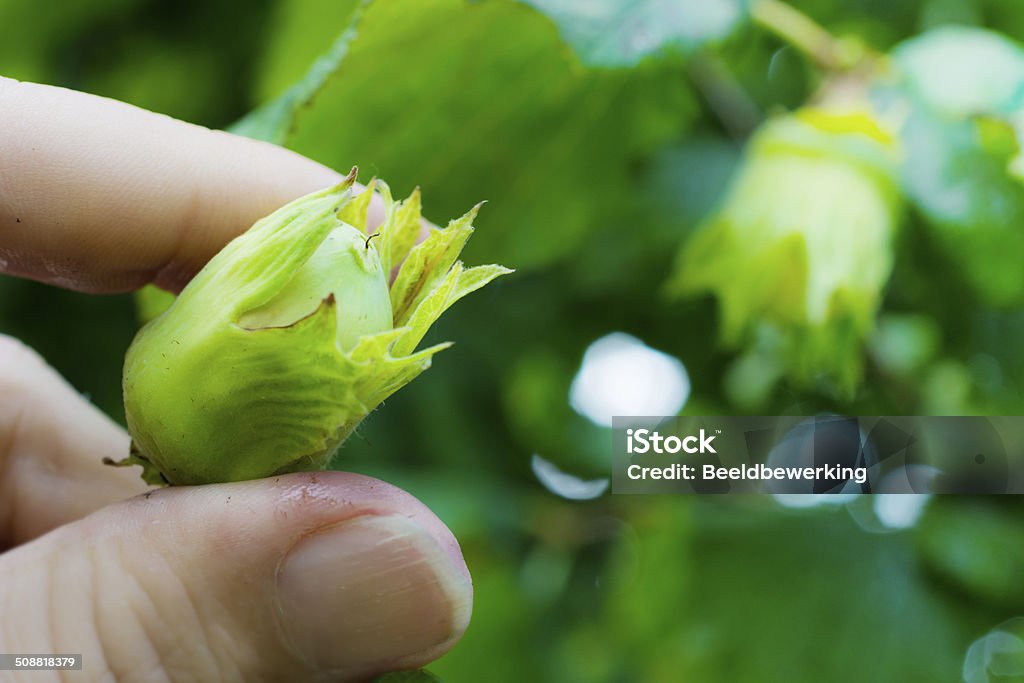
pixel 602 140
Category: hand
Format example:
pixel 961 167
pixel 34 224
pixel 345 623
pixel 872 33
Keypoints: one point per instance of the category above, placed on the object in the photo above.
pixel 327 576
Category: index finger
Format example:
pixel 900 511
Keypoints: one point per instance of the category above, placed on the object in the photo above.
pixel 100 196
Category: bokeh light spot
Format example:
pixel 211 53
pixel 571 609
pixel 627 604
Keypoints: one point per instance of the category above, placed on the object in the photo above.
pixel 620 375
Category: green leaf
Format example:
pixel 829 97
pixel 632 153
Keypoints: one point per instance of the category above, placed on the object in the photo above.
pixel 273 121
pixel 376 378
pixel 456 284
pixel 957 174
pixel 473 279
pixel 616 33
pixel 976 545
pixel 961 70
pixel 32 39
pixel 406 224
pixel 428 264
pixel 150 302
pixel 496 110
pixel 722 606
pixel 355 212
pixel 428 310
pixel 403 224
pixel 966 87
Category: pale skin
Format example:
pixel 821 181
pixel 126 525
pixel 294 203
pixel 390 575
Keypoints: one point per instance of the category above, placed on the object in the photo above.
pixel 326 577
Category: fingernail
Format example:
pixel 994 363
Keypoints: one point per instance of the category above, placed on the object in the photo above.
pixel 369 592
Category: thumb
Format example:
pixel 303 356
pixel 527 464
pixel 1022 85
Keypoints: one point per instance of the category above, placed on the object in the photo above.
pixel 328 577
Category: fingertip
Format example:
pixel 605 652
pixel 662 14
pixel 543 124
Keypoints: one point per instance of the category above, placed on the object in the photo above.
pixel 52 441
pixel 371 594
pixel 378 496
pixel 101 196
pixel 363 577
